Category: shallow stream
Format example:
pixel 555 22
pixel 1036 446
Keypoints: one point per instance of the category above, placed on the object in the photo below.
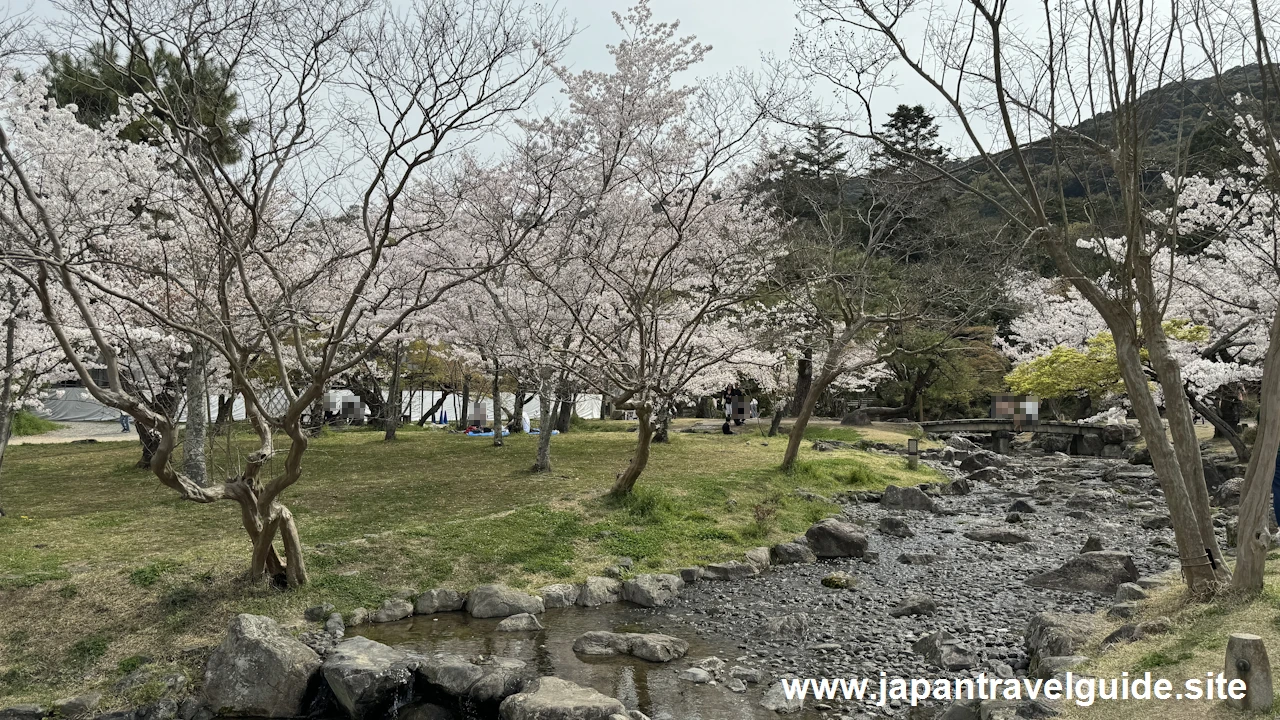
pixel 652 688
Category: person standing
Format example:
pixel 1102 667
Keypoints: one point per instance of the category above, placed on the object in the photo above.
pixel 124 422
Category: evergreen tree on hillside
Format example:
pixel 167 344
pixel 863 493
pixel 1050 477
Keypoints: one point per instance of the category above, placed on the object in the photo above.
pixel 911 133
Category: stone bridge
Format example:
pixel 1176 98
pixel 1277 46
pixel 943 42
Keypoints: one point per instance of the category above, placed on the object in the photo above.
pixel 1085 439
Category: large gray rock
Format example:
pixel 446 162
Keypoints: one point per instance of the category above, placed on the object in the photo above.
pixel 392 610
pixel 775 699
pixel 982 459
pixel 790 553
pixel 944 651
pixel 524 622
pixel 598 591
pixel 652 590
pixel 550 698
pixel 488 601
pixel 758 557
pixel 1098 572
pixel 80 706
pixel 559 595
pixel 486 680
pixel 259 670
pixel 22 712
pixel 1056 665
pixel 997 535
pixel 914 605
pixel 833 538
pixel 906 498
pixel 792 626
pixel 439 600
pixel 732 570
pixel 366 677
pixel 653 647
pixel 896 526
pixel 1057 634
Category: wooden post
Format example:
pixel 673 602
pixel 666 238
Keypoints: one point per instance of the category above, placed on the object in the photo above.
pixel 1247 660
pixel 913 453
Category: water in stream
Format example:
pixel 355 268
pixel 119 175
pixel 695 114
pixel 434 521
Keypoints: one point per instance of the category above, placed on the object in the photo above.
pixel 652 688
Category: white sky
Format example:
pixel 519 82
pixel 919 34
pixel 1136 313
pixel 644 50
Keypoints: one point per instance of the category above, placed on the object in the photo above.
pixel 738 31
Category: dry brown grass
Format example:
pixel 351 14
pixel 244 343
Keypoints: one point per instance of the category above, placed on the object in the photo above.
pixel 1197 645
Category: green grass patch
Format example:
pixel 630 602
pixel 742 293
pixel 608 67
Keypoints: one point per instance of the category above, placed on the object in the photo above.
pixel 154 574
pixel 150 574
pixel 1159 659
pixel 26 424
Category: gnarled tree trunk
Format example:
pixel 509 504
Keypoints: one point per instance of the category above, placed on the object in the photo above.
pixel 644 436
pixel 1253 543
pixel 662 427
pixel 804 381
pixel 195 435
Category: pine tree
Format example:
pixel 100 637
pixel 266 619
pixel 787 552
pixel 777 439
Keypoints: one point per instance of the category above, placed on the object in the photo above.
pixel 912 135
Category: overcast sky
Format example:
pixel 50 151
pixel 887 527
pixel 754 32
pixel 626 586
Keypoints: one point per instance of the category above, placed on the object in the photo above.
pixel 737 30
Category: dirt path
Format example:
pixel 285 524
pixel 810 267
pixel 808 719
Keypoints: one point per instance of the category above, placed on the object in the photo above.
pixel 73 431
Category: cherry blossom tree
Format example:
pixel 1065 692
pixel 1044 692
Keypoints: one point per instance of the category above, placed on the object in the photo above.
pixel 1014 92
pixel 662 245
pixel 349 105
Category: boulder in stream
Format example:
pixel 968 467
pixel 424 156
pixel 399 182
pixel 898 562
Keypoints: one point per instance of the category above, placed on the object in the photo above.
pixel 367 678
pixel 550 698
pixel 490 601
pixel 653 647
pixel 659 590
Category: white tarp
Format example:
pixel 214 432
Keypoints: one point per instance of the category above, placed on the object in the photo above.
pixel 74 404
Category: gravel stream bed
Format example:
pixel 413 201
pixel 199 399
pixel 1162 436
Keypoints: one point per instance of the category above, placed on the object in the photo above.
pixel 977 586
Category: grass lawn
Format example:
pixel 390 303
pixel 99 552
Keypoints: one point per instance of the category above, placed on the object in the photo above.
pixel 1196 646
pixel 102 568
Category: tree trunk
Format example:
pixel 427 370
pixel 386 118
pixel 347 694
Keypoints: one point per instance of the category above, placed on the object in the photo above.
pixel 1182 426
pixel 6 430
pixel 774 424
pixel 517 417
pixel 804 380
pixel 644 435
pixel 195 436
pixel 150 443
pixel 226 412
pixel 545 428
pixel 663 425
pixel 1229 407
pixel 391 418
pixel 497 408
pixel 1253 543
pixel 435 407
pixel 7 406
pixel 1221 428
pixel 1200 575
pixel 463 417
pixel 369 390
pixel 317 418
pixel 796 437
pixel 564 418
